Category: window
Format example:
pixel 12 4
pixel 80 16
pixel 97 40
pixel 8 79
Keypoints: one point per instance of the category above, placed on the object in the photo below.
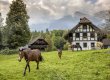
pixel 85 45
pixel 84 27
pixel 70 35
pixel 92 35
pixel 77 43
pixel 77 35
pixel 92 45
pixel 84 35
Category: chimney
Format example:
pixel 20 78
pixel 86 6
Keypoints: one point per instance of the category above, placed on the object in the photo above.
pixel 80 19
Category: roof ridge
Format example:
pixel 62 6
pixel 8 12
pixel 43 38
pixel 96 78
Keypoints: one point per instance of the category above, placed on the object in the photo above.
pixel 84 20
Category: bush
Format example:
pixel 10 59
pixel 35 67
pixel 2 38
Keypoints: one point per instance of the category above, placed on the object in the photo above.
pixel 66 46
pixel 54 48
pixel 8 51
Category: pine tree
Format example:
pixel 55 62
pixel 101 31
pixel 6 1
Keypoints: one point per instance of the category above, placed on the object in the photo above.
pixel 18 33
pixel 47 31
pixel 49 41
pixel 0 37
pixel 59 42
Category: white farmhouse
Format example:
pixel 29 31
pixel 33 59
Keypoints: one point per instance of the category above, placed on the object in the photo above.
pixel 85 34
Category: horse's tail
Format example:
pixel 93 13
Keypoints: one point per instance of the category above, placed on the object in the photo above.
pixel 41 58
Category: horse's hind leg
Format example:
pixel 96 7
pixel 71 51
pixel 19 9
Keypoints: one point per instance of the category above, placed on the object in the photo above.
pixel 25 69
pixel 37 64
pixel 60 55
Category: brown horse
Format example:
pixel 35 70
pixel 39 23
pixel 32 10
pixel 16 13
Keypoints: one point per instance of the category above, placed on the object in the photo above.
pixel 60 53
pixel 30 55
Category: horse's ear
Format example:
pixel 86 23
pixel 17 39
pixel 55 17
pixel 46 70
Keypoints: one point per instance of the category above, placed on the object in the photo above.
pixel 20 49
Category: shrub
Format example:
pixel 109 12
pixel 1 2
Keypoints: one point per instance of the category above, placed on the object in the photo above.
pixel 8 51
pixel 54 48
pixel 66 46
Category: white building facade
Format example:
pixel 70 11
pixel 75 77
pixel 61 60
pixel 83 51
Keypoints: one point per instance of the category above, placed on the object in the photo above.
pixel 84 34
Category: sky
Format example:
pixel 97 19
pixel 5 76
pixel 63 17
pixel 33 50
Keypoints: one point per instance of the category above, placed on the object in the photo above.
pixel 46 11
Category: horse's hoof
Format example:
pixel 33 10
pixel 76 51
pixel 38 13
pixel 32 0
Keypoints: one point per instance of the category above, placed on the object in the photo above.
pixel 23 75
pixel 37 68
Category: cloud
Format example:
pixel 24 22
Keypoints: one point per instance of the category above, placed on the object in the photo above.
pixel 3 5
pixel 4 2
pixel 4 8
pixel 102 5
pixel 42 11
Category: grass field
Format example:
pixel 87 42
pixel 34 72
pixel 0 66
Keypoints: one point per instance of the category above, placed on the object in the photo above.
pixel 85 65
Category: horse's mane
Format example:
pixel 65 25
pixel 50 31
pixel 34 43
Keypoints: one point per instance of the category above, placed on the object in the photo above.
pixel 26 52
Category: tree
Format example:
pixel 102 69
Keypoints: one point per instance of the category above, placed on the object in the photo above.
pixel 47 31
pixel 5 34
pixel 108 36
pixel 59 42
pixel 42 34
pixel 66 46
pixel 58 32
pixel 18 33
pixel 53 38
pixel 1 26
pixel 107 24
pixel 0 37
pixel 49 41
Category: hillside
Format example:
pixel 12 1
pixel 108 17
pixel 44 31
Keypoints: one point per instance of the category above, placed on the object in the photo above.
pixel 85 65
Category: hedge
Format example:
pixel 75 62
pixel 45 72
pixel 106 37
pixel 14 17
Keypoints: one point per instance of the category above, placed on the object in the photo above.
pixel 8 51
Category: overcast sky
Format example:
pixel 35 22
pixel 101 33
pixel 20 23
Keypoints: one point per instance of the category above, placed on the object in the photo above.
pixel 44 11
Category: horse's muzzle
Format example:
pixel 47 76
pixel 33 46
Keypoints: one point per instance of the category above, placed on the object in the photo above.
pixel 19 60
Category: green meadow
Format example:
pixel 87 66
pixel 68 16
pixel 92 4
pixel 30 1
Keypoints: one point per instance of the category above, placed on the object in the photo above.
pixel 81 65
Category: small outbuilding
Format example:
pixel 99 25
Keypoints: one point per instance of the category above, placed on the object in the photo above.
pixel 38 43
pixel 106 43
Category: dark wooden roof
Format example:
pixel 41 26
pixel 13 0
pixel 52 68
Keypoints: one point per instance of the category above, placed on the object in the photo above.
pixel 106 41
pixel 84 21
pixel 38 41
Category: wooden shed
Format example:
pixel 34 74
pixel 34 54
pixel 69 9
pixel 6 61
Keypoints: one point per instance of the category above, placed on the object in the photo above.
pixel 106 43
pixel 38 43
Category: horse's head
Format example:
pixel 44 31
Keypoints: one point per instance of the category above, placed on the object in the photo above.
pixel 21 54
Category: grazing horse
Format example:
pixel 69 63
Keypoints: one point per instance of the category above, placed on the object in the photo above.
pixel 30 55
pixel 60 53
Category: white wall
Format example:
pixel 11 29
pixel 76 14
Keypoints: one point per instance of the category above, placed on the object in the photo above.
pixel 81 44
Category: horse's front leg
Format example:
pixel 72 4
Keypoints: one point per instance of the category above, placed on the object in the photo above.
pixel 29 67
pixel 37 64
pixel 59 54
pixel 25 69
